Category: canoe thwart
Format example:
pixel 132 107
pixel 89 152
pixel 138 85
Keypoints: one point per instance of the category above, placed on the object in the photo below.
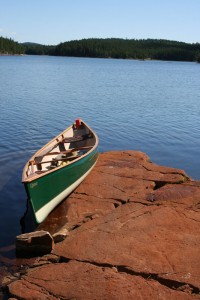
pixel 57 159
pixel 64 152
pixel 76 138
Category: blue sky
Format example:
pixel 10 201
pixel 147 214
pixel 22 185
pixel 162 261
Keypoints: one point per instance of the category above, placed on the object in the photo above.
pixel 50 22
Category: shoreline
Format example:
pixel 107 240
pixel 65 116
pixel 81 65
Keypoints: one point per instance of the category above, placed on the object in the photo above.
pixel 123 226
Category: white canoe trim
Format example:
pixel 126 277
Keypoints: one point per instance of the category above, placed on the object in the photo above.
pixel 43 212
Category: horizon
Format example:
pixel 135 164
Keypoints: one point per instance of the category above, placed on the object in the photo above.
pixel 49 23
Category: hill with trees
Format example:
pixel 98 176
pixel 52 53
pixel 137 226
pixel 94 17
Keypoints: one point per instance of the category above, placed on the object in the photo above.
pixel 131 49
pixel 8 46
pixel 109 48
pixel 38 49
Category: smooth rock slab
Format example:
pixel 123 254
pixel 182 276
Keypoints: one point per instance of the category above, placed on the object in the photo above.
pixel 78 280
pixel 134 233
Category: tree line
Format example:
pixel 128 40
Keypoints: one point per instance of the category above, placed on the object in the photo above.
pixel 8 46
pixel 130 49
pixel 109 48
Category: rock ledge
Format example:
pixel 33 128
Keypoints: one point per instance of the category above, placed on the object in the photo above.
pixel 132 232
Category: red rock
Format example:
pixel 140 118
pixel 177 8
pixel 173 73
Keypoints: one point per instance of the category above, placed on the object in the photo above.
pixel 78 280
pixel 60 235
pixel 34 243
pixel 133 234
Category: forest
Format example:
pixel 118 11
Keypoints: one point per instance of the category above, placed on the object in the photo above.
pixel 8 46
pixel 109 48
pixel 130 49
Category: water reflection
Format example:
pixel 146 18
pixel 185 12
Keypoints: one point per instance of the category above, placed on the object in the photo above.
pixel 28 222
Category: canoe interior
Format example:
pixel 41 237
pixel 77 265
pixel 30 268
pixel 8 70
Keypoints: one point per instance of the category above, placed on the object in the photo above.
pixel 69 146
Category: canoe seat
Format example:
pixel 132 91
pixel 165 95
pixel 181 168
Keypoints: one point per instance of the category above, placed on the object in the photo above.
pixel 77 138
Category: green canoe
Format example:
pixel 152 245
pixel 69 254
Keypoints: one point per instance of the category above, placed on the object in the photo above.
pixel 55 170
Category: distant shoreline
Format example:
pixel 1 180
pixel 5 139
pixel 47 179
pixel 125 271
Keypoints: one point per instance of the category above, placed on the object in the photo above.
pixel 10 54
pixel 116 48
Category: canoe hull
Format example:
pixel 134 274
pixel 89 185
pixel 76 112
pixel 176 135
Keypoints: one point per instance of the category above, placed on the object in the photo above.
pixel 46 192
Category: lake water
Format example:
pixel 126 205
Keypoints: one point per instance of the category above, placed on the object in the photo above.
pixel 151 106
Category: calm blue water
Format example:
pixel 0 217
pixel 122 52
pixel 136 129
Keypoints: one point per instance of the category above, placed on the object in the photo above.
pixel 151 106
